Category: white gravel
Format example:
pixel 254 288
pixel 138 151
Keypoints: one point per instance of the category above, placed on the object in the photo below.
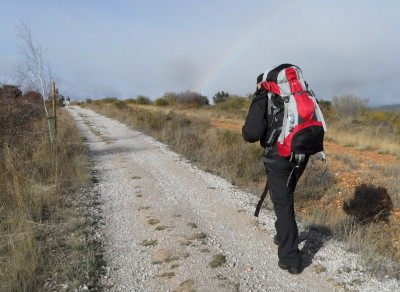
pixel 141 179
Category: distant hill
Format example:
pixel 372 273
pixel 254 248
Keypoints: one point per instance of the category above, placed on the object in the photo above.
pixel 393 107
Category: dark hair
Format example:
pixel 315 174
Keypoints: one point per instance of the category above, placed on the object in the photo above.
pixel 259 78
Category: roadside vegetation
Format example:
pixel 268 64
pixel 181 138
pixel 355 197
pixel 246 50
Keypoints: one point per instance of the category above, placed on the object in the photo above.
pixel 352 124
pixel 357 202
pixel 47 212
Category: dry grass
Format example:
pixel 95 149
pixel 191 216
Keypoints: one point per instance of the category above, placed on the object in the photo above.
pixel 363 129
pixel 45 237
pixel 361 138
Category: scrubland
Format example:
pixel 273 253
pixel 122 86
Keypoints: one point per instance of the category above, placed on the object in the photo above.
pixel 46 229
pixel 357 202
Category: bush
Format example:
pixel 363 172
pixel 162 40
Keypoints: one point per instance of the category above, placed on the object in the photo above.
pixel 10 91
pixel 191 97
pixel 170 97
pixel 18 116
pixel 120 104
pixel 161 102
pixel 350 105
pixel 325 104
pixel 130 101
pixel 109 100
pixel 311 187
pixel 232 103
pixel 220 96
pixel 88 100
pixel 141 99
pixel 379 116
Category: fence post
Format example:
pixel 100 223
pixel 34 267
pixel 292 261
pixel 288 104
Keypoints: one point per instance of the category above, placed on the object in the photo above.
pixel 55 140
pixel 53 90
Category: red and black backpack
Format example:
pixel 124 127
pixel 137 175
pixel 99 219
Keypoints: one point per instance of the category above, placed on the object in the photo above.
pixel 294 117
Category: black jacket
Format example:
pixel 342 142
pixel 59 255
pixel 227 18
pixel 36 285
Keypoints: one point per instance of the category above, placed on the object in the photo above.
pixel 256 125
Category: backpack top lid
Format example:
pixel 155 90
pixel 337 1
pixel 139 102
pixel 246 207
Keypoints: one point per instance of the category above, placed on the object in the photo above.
pixel 284 80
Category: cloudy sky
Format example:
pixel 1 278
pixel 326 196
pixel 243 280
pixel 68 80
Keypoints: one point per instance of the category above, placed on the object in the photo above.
pixel 122 48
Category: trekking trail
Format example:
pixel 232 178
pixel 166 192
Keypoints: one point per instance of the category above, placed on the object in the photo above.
pixel 168 226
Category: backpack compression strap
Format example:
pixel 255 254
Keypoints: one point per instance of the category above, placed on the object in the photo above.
pixel 264 194
pixel 323 158
pixel 284 121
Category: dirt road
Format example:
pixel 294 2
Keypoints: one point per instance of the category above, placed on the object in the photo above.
pixel 171 227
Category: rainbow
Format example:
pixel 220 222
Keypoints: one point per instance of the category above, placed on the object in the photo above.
pixel 241 45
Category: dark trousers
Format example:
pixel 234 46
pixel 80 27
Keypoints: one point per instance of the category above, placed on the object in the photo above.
pixel 278 171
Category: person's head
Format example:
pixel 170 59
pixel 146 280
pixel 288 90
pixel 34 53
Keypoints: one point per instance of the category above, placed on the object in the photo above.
pixel 259 80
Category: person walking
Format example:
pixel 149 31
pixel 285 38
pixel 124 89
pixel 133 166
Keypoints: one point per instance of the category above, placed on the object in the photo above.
pixel 282 173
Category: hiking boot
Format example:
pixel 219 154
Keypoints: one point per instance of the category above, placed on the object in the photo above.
pixel 276 240
pixel 291 270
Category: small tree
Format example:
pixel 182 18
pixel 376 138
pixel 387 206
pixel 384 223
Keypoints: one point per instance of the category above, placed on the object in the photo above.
pixel 10 91
pixel 220 96
pixel 170 97
pixel 233 103
pixel 191 97
pixel 59 99
pixel 350 105
pixel 36 72
pixel 141 99
pixel 161 102
pixel 325 105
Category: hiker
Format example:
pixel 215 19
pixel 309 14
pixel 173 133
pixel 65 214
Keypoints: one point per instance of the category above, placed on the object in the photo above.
pixel 264 123
pixel 67 101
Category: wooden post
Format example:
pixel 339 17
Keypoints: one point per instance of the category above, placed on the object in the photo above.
pixel 53 89
pixel 55 140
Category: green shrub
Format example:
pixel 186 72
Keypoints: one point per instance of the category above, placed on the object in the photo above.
pixel 130 101
pixel 232 103
pixel 220 96
pixel 108 100
pixel 141 99
pixel 161 102
pixel 120 104
pixel 170 97
pixel 325 105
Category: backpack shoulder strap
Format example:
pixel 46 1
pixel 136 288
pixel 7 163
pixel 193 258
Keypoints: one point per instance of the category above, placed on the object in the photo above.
pixel 284 122
pixel 273 126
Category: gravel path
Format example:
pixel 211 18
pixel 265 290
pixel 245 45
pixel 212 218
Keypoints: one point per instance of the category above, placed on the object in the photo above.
pixel 169 226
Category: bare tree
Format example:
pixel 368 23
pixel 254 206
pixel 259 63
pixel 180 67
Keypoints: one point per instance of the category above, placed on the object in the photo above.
pixel 36 72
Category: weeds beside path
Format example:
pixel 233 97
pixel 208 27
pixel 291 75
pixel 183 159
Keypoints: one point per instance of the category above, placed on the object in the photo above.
pixel 47 213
